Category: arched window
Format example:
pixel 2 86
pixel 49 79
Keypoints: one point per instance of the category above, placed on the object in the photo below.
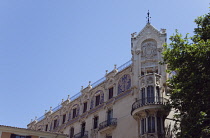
pixel 124 83
pixel 97 99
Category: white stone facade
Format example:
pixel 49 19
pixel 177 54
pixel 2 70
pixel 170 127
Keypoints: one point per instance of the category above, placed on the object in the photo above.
pixel 126 103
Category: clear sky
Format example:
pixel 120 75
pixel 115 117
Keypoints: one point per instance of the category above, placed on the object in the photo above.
pixel 50 48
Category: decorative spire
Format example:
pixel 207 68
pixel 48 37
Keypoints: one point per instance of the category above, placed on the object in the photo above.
pixel 89 83
pixel 106 72
pixel 148 17
pixel 115 66
pixel 68 97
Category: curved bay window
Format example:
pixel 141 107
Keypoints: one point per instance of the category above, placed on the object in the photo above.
pixel 151 124
pixel 149 95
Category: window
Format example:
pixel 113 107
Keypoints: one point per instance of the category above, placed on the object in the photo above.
pixel 18 136
pixel 159 129
pixel 46 127
pixel 143 95
pixel 55 123
pixel 151 124
pixel 111 92
pixel 143 124
pixel 95 122
pixel 72 132
pixel 85 107
pixel 64 118
pixel 74 112
pixel 83 129
pixel 97 100
pixel 150 94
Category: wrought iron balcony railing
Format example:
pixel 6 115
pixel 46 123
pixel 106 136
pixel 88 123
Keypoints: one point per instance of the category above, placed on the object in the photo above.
pixel 110 122
pixel 81 135
pixel 148 101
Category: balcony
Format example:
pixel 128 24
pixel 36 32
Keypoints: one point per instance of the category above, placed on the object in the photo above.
pixel 148 103
pixel 108 125
pixel 81 135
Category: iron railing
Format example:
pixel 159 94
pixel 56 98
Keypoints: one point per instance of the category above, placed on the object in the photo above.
pixel 125 65
pixel 109 122
pixel 75 96
pixel 148 101
pixel 98 82
pixel 81 135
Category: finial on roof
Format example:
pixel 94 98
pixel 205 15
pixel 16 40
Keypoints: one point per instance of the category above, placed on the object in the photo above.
pixel 115 66
pixel 89 83
pixel 50 108
pixel 106 72
pixel 68 97
pixel 148 17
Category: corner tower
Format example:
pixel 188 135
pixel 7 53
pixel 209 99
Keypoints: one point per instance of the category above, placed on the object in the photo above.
pixel 149 78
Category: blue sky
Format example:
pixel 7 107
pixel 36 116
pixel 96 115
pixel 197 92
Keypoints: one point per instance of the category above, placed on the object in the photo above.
pixel 50 48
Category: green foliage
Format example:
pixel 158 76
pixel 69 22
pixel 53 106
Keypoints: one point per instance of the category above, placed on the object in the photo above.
pixel 189 58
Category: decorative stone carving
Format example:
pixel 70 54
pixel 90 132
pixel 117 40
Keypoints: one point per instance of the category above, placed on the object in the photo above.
pixel 157 80
pixel 149 49
pixel 124 83
pixel 149 80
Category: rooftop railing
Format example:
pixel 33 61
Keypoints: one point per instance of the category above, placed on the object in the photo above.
pixel 125 65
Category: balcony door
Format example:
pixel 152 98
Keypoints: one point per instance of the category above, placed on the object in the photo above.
pixel 109 117
pixel 150 94
pixel 143 96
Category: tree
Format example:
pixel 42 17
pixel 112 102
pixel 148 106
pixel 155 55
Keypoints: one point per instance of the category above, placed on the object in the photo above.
pixel 189 88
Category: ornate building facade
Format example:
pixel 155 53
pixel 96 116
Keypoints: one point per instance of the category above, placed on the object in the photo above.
pixel 127 103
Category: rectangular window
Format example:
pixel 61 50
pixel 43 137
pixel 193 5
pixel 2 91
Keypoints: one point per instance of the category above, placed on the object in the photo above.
pixel 142 126
pixel 95 122
pixel 55 123
pixel 111 92
pixel 72 132
pixel 46 127
pixel 64 118
pixel 97 100
pixel 74 112
pixel 85 107
pixel 159 124
pixel 83 129
pixel 151 124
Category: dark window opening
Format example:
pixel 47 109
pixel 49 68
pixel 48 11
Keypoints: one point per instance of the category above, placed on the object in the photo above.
pixel 74 112
pixel 85 107
pixel 72 132
pixel 95 122
pixel 64 118
pixel 97 100
pixel 83 129
pixel 151 124
pixel 111 92
pixel 46 127
pixel 55 123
